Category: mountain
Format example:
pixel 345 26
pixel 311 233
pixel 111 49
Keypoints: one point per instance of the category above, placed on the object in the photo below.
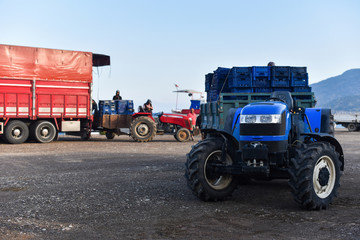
pixel 340 93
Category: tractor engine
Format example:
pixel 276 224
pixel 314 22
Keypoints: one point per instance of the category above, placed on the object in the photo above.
pixel 264 134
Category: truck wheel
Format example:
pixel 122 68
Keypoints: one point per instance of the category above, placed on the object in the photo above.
pixel 315 175
pixel 352 127
pixel 143 129
pixel 200 174
pixel 16 132
pixel 183 135
pixel 110 135
pixel 43 131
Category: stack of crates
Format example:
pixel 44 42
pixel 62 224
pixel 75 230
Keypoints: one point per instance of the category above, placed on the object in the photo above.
pixel 299 79
pixel 240 80
pixel 280 78
pixel 115 107
pixel 217 83
pixel 257 79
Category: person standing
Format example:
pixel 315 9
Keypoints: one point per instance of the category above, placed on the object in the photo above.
pixel 192 116
pixel 117 95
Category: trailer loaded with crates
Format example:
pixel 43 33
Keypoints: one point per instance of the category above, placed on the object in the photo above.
pixel 117 117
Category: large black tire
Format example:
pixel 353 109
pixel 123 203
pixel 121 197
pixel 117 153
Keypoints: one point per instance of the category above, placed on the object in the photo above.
pixel 110 135
pixel 315 175
pixel 183 135
pixel 143 129
pixel 201 178
pixel 16 132
pixel 352 127
pixel 43 131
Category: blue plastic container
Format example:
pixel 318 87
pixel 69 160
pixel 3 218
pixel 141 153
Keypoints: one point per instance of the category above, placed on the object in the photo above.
pixel 280 82
pixel 262 72
pixel 300 81
pixel 280 72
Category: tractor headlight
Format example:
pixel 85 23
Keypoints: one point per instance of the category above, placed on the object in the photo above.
pixel 268 118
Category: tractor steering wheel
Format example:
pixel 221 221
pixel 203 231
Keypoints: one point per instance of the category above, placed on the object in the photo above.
pixel 276 99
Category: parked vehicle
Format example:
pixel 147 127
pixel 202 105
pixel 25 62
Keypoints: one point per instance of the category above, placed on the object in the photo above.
pixel 274 138
pixel 45 91
pixel 350 121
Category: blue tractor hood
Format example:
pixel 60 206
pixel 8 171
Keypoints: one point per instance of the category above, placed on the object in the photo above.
pixel 264 108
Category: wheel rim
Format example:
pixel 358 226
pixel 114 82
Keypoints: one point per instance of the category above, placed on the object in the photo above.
pixel 324 177
pixel 44 132
pixel 216 180
pixel 16 132
pixel 143 129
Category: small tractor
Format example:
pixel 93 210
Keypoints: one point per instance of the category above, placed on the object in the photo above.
pixel 272 139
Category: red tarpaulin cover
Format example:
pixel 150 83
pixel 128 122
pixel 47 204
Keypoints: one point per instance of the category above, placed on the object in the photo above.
pixel 18 62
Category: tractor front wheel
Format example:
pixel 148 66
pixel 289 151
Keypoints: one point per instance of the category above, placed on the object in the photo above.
pixel 143 129
pixel 200 171
pixel 315 175
pixel 183 135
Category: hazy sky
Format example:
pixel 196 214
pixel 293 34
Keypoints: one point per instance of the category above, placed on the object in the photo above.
pixel 154 44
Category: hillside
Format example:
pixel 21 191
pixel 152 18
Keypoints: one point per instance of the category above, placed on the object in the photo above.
pixel 340 93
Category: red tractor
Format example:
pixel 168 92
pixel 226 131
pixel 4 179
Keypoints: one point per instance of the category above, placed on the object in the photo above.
pixel 144 126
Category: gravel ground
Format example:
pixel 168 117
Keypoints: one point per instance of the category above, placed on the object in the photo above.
pixel 120 189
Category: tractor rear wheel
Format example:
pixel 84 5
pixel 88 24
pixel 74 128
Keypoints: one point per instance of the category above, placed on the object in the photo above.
pixel 183 135
pixel 315 175
pixel 143 129
pixel 201 175
pixel 16 132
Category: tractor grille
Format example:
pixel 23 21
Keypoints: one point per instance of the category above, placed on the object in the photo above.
pixel 264 129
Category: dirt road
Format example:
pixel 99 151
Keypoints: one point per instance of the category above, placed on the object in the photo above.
pixel 120 189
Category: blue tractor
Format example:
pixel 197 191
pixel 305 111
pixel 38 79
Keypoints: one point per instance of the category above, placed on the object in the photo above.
pixel 272 139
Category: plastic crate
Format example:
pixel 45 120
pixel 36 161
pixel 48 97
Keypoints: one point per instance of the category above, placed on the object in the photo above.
pixel 239 81
pixel 262 82
pixel 282 72
pixel 298 71
pixel 242 71
pixel 301 89
pixel 262 72
pixel 121 106
pixel 263 90
pixel 300 81
pixel 280 82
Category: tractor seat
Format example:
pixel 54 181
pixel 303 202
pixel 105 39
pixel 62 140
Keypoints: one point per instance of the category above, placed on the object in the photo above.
pixel 285 96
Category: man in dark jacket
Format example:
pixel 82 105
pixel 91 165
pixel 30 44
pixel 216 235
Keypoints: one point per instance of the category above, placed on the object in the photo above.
pixel 117 95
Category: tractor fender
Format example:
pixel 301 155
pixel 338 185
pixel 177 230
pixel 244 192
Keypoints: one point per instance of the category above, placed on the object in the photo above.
pixel 223 134
pixel 140 114
pixel 330 139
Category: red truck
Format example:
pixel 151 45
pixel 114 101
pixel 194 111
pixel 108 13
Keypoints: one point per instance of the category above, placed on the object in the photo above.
pixel 45 91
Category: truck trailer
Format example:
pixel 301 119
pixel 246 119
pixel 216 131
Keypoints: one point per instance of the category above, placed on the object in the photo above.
pixel 45 91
